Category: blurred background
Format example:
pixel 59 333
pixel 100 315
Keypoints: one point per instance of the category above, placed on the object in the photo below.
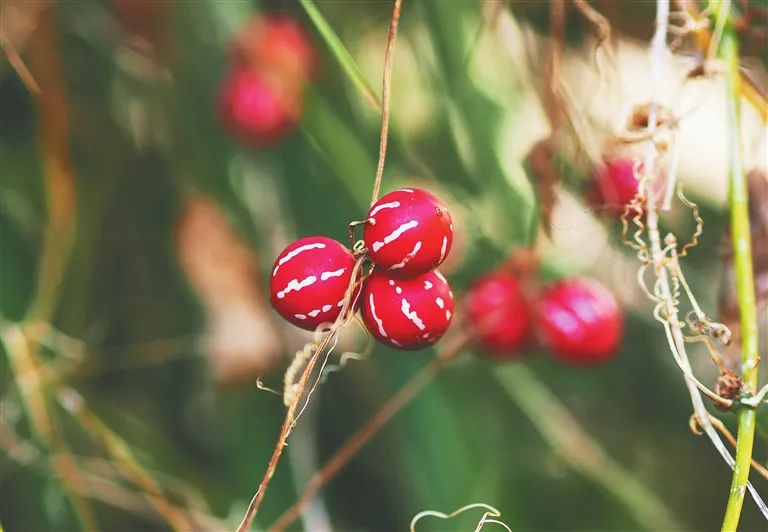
pixel 148 183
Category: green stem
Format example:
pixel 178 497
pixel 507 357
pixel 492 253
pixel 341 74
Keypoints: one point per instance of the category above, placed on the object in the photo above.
pixel 745 284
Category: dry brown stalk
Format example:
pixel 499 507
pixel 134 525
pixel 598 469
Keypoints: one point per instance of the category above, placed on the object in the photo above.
pixel 385 97
pixel 371 427
pixel 347 310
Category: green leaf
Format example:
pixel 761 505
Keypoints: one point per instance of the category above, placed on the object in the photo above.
pixel 347 63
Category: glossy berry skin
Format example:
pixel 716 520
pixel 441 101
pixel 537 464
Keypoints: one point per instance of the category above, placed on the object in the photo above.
pixel 408 232
pixel 309 280
pixel 278 44
pixel 579 321
pixel 498 315
pixel 254 111
pixel 407 313
pixel 615 185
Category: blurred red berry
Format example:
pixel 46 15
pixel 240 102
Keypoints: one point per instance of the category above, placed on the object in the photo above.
pixel 579 321
pixel 277 44
pixel 255 111
pixel 407 313
pixel 615 185
pixel 309 281
pixel 408 232
pixel 497 314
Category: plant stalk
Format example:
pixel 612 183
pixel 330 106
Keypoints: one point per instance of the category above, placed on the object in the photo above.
pixel 745 283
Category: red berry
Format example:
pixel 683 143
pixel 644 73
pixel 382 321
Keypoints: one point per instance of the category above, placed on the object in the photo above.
pixel 309 280
pixel 407 313
pixel 255 111
pixel 278 44
pixel 580 321
pixel 497 314
pixel 615 185
pixel 408 232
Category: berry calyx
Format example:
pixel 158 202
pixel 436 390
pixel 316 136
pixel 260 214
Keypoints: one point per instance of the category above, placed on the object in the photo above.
pixel 579 321
pixel 408 232
pixel 255 111
pixel 309 281
pixel 407 313
pixel 498 315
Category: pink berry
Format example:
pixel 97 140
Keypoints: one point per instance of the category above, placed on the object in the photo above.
pixel 254 111
pixel 309 280
pixel 277 43
pixel 580 321
pixel 407 313
pixel 615 184
pixel 408 232
pixel 497 314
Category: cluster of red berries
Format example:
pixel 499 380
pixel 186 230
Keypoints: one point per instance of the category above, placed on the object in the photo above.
pixel 260 99
pixel 578 320
pixel 405 302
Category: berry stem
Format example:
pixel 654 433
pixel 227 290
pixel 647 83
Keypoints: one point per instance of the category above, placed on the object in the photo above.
pixel 745 284
pixel 385 97
pixel 365 433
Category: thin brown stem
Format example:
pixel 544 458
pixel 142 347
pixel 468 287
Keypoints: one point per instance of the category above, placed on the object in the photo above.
pixel 301 393
pixel 18 65
pixel 385 97
pixel 371 428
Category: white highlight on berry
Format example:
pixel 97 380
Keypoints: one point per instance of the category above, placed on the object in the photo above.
pixel 398 290
pixel 391 282
pixel 377 208
pixel 295 285
pixel 394 235
pixel 294 252
pixel 300 316
pixel 440 302
pixel 441 276
pixel 340 303
pixel 447 314
pixel 378 320
pixel 326 308
pixel 336 273
pixel 405 308
pixel 411 254
pixel 443 248
pixel 410 190
pixel 314 313
pixel 427 285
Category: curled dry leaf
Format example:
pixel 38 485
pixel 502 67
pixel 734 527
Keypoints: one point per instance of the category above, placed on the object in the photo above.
pixel 757 183
pixel 241 341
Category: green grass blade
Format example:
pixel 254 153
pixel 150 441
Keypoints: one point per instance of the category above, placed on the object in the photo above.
pixel 343 56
